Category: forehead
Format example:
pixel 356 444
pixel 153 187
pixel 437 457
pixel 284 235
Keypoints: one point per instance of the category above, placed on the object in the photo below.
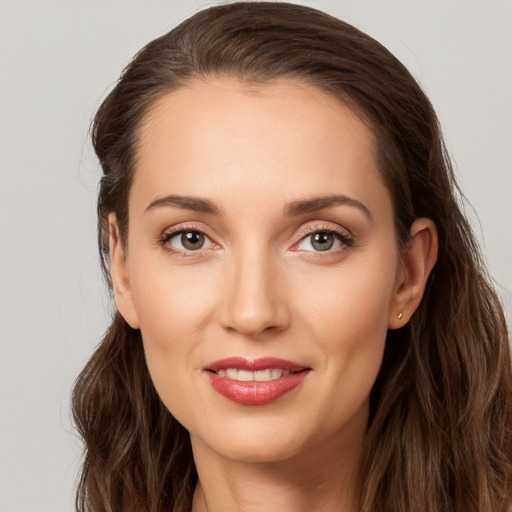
pixel 280 140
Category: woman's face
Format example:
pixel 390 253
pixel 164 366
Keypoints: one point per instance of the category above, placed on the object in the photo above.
pixel 261 239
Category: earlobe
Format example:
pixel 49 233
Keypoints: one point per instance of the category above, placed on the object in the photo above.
pixel 418 259
pixel 119 275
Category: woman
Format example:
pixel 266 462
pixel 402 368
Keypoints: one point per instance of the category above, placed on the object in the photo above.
pixel 303 319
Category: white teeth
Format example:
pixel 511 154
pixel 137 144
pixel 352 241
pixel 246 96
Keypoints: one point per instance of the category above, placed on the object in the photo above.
pixel 245 375
pixel 262 375
pixel 232 373
pixel 258 375
pixel 276 373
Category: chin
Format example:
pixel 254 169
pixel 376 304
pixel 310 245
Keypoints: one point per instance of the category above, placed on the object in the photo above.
pixel 259 440
pixel 264 450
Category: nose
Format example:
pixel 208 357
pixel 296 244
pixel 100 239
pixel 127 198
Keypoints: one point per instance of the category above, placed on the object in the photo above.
pixel 254 298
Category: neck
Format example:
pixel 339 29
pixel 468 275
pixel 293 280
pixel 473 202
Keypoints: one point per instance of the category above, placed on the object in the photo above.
pixel 322 478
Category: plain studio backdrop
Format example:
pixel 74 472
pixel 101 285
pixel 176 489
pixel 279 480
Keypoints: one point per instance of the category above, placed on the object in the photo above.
pixel 58 59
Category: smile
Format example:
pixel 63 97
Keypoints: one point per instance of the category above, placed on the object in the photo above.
pixel 255 382
pixel 259 375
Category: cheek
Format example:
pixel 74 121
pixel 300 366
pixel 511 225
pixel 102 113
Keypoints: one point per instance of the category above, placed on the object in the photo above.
pixel 172 303
pixel 346 313
pixel 348 302
pixel 174 308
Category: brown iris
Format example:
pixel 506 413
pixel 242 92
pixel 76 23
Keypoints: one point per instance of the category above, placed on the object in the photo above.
pixel 322 241
pixel 192 240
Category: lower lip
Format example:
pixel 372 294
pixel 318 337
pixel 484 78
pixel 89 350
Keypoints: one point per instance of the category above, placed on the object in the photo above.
pixel 255 392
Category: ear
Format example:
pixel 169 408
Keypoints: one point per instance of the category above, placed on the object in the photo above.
pixel 119 275
pixel 418 258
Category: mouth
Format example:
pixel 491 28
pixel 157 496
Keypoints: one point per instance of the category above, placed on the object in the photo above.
pixel 255 381
pixel 257 376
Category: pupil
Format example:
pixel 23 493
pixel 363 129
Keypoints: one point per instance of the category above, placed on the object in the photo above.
pixel 192 240
pixel 323 241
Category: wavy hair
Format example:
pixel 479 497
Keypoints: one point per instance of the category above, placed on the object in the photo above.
pixel 440 430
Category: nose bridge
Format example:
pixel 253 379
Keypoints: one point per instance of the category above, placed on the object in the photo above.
pixel 255 300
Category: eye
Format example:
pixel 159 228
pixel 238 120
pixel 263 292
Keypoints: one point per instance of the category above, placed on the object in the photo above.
pixel 186 240
pixel 323 240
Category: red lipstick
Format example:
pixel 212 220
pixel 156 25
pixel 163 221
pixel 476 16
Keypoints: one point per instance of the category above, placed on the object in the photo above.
pixel 255 381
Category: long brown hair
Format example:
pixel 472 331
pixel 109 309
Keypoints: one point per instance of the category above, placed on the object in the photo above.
pixel 440 431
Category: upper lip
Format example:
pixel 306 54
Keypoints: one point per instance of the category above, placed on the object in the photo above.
pixel 262 363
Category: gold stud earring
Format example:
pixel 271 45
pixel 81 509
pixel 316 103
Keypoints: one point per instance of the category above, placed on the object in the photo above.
pixel 400 316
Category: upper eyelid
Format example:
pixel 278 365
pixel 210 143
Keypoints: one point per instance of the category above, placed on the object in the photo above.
pixel 170 233
pixel 344 235
pixel 332 228
pixel 173 231
pixel 301 233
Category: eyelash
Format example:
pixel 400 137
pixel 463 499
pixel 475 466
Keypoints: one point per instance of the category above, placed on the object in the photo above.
pixel 168 235
pixel 346 240
pixel 342 236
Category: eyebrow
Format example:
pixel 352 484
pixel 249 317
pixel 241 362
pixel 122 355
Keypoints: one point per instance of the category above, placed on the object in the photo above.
pixel 195 204
pixel 292 209
pixel 319 203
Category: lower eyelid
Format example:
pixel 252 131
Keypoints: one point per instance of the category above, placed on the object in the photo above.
pixel 345 241
pixel 169 235
pixel 338 244
pixel 344 238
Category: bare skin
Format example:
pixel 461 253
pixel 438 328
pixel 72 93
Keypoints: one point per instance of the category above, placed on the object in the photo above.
pixel 293 256
pixel 284 485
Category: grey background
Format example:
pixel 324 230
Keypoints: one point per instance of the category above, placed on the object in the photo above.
pixel 57 60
